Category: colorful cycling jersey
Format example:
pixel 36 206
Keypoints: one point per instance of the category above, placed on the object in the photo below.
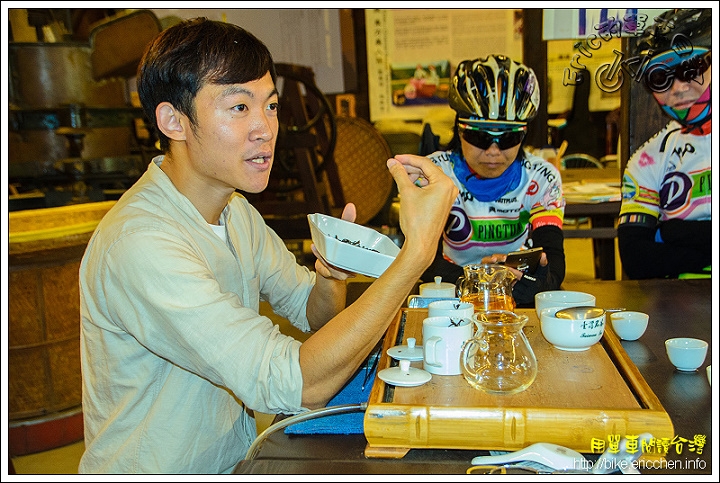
pixel 476 229
pixel 668 177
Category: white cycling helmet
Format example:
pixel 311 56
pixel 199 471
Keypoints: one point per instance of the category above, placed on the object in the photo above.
pixel 496 90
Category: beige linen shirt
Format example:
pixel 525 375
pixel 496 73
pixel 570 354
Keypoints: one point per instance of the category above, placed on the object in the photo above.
pixel 174 351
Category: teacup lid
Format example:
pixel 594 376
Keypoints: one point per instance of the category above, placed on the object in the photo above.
pixel 404 375
pixel 438 288
pixel 409 352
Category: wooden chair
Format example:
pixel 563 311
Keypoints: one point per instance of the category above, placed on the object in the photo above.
pixel 580 160
pixel 321 160
pixel 304 178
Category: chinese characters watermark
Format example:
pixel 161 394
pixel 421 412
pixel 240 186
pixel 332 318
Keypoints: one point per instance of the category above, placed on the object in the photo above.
pixel 658 76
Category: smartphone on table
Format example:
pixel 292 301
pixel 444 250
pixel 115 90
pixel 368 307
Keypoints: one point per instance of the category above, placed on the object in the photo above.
pixel 524 260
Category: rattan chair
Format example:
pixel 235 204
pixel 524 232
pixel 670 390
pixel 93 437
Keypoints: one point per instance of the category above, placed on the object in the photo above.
pixel 361 153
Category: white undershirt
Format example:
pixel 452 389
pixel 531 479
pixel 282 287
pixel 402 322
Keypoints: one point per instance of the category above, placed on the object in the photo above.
pixel 219 230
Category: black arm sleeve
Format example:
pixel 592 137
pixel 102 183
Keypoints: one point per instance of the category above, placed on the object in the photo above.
pixel 690 233
pixel 550 277
pixel 686 247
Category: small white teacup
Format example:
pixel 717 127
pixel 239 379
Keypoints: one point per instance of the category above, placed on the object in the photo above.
pixel 709 375
pixel 686 353
pixel 455 309
pixel 629 325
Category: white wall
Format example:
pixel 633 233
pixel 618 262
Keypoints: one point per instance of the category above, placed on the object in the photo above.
pixel 302 36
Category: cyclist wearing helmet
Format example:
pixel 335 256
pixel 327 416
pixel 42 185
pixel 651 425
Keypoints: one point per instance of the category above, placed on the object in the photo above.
pixel 664 228
pixel 508 199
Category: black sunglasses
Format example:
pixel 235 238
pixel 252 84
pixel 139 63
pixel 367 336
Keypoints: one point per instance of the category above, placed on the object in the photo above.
pixel 660 77
pixel 485 139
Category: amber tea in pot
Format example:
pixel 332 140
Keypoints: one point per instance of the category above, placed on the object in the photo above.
pixel 487 287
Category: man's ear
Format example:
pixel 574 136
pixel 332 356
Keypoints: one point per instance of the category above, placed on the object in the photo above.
pixel 169 122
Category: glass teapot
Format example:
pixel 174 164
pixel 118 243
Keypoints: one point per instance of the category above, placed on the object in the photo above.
pixel 499 358
pixel 487 287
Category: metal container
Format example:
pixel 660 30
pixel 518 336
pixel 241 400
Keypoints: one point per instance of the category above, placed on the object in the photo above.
pixel 52 90
pixel 53 75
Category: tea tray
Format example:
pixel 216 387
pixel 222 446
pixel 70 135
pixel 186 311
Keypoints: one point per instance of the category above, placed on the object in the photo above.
pixel 577 399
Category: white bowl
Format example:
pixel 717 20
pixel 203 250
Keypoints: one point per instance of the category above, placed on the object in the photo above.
pixel 572 335
pixel 629 325
pixel 686 353
pixel 350 246
pixel 562 299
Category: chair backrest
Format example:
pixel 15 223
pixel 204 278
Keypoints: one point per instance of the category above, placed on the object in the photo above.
pixel 580 160
pixel 361 153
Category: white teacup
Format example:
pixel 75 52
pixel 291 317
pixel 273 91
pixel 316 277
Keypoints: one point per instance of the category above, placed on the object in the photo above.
pixel 455 309
pixel 443 339
pixel 686 353
pixel 629 325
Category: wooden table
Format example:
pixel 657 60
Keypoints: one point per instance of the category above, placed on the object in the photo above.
pixel 677 308
pixel 602 231
pixel 602 216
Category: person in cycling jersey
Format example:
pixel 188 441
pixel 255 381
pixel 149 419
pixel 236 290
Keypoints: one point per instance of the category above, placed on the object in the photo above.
pixel 509 199
pixel 664 226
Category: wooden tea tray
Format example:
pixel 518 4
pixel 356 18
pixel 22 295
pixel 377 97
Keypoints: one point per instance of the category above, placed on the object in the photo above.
pixel 576 397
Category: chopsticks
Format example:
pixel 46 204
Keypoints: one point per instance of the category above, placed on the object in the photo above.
pixel 370 370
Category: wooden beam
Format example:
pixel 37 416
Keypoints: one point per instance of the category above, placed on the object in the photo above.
pixel 535 57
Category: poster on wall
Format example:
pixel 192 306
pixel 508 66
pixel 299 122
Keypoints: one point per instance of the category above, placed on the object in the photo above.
pixel 398 40
pixel 421 83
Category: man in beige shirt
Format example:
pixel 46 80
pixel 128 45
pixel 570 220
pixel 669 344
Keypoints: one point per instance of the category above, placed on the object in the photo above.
pixel 175 355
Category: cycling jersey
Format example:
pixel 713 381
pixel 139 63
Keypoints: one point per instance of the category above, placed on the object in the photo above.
pixel 476 229
pixel 664 228
pixel 668 177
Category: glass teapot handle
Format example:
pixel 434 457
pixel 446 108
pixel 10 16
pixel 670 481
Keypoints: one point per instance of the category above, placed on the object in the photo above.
pixel 460 286
pixel 469 355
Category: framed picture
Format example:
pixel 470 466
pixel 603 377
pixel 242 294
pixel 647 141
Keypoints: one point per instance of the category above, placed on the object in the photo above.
pixel 420 83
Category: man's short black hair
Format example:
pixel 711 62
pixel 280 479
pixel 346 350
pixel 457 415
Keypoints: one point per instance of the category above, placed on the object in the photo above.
pixel 192 53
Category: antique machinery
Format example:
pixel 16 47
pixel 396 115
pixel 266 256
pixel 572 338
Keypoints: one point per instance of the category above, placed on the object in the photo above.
pixel 75 133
